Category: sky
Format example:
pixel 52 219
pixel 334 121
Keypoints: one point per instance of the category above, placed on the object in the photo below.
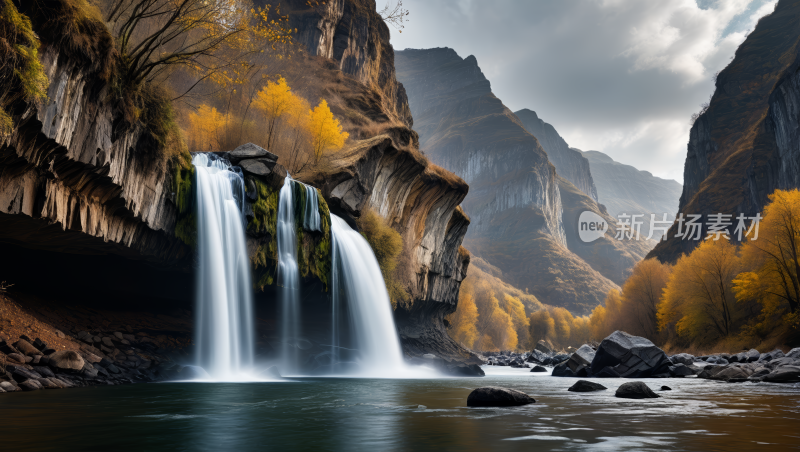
pixel 617 76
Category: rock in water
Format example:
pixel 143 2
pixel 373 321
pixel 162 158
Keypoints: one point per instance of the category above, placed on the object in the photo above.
pixel 494 396
pixel 784 374
pixel 538 369
pixel 586 386
pixel 623 355
pixel 666 388
pixel 635 390
pixel 580 361
pixel 563 370
pixel 543 347
pixel 67 360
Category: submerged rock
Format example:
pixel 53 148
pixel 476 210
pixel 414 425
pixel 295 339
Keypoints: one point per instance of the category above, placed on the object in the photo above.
pixel 666 388
pixel 586 386
pixel 635 390
pixel 623 355
pixel 492 396
pixel 538 369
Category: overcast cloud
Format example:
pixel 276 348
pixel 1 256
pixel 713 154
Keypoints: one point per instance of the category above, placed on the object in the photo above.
pixel 618 76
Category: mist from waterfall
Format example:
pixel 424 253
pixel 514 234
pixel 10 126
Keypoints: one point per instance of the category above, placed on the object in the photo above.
pixel 224 333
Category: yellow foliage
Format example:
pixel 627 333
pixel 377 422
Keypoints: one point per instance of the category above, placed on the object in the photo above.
pixel 541 326
pixel 326 132
pixel 276 101
pixel 698 299
pixel 463 321
pixel 387 244
pixel 205 129
pixel 516 310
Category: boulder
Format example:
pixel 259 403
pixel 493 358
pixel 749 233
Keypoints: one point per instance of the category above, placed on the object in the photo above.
pixel 775 354
pixel 67 360
pixel 258 167
pixel 7 348
pixel 586 386
pixel 666 388
pixel 752 355
pixel 27 348
pixel 464 370
pixel 8 386
pixel 784 374
pixel 680 370
pixel 43 371
pixel 39 344
pixel 21 374
pixel 535 356
pixel 794 353
pixel 759 374
pixel 682 358
pixel 710 371
pixel 635 390
pixel 538 369
pixel 249 151
pixel 30 385
pixel 734 374
pixel 623 355
pixel 47 384
pixel 581 360
pixel 563 370
pixel 17 357
pixel 492 396
pixel 543 347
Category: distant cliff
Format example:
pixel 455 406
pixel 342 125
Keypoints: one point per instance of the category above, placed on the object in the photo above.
pixel 569 163
pixel 746 143
pixel 625 189
pixel 524 214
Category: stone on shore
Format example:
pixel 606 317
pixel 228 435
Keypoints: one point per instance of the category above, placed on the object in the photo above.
pixel 492 396
pixel 67 360
pixel 635 390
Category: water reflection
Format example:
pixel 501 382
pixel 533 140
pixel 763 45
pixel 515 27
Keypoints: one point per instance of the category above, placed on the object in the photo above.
pixel 385 414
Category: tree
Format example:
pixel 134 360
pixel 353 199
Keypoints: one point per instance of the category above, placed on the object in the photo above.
pixel 641 295
pixel 698 299
pixel 213 38
pixel 326 132
pixel 541 325
pixel 394 14
pixel 562 321
pixel 775 254
pixel 462 322
pixel 205 129
pixel 277 101
pixel 516 310
pixel 606 319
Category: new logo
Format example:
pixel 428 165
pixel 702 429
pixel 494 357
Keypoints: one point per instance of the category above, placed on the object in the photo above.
pixel 591 226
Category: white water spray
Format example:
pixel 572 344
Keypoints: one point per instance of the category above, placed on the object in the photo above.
pixel 356 274
pixel 224 333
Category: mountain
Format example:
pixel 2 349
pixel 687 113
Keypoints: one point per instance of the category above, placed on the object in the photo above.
pixel 569 163
pixel 524 214
pixel 625 189
pixel 746 143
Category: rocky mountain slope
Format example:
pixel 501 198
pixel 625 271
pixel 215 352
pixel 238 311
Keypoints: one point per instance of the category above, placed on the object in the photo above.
pixel 520 220
pixel 569 163
pixel 746 143
pixel 625 189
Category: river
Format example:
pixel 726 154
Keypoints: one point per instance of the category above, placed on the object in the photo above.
pixel 392 414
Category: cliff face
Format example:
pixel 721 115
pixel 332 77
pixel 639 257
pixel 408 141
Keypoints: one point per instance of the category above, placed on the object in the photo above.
pixel 569 163
pixel 520 222
pixel 745 145
pixel 421 201
pixel 72 182
pixel 624 189
pixel 351 33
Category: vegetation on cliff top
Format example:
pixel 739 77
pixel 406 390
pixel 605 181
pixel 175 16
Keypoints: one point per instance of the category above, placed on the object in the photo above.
pixel 387 244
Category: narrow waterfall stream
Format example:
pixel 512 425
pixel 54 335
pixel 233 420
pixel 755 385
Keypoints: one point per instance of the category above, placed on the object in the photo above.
pixel 356 274
pixel 288 279
pixel 224 333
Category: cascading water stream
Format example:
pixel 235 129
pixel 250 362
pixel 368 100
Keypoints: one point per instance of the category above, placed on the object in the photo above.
pixel 288 278
pixel 224 334
pixel 356 274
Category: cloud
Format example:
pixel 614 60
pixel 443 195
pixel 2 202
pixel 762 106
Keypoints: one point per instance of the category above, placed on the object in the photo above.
pixel 618 76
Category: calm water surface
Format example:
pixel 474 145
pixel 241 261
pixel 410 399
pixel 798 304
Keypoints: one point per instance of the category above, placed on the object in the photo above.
pixel 372 414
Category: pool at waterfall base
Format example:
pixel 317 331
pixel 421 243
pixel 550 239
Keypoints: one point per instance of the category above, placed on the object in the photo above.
pixel 318 413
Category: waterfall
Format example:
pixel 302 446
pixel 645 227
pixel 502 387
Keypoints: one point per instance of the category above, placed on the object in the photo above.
pixel 224 334
pixel 311 220
pixel 356 274
pixel 288 278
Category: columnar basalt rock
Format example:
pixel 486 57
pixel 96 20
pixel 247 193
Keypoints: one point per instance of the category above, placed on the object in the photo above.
pixel 67 164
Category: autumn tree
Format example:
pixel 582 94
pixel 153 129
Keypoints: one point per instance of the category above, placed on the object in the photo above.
pixel 516 310
pixel 206 127
pixel 276 101
pixel 773 256
pixel 215 39
pixel 641 295
pixel 699 301
pixel 606 319
pixel 325 130
pixel 541 325
pixel 562 325
pixel 463 321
